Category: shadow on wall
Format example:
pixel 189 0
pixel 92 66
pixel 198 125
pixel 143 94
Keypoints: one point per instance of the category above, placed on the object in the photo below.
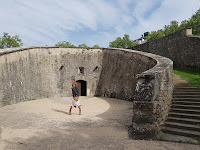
pixel 119 68
pixel 45 72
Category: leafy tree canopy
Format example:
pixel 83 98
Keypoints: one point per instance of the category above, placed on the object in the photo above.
pixel 65 44
pixel 173 27
pixel 156 34
pixel 96 46
pixel 194 23
pixel 124 42
pixel 8 41
pixel 83 45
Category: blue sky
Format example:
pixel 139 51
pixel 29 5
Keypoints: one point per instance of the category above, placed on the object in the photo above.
pixel 46 22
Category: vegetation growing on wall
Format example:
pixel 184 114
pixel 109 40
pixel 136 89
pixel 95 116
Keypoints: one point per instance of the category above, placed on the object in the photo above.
pixel 7 41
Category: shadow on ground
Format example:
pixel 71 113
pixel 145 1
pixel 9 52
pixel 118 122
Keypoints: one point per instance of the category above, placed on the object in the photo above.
pixel 64 112
pixel 109 131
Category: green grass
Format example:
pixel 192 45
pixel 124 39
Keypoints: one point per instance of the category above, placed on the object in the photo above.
pixel 192 76
pixel 30 99
pixel 160 136
pixel 198 139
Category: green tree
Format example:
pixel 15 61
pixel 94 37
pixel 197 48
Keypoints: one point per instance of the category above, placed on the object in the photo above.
pixel 156 35
pixel 96 46
pixel 65 44
pixel 173 27
pixel 83 45
pixel 127 43
pixel 116 43
pixel 135 44
pixel 124 42
pixel 8 41
pixel 184 24
pixel 194 23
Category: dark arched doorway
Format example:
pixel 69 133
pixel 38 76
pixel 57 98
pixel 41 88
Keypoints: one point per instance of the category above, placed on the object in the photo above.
pixel 82 85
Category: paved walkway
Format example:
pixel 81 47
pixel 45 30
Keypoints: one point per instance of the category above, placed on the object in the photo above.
pixel 45 124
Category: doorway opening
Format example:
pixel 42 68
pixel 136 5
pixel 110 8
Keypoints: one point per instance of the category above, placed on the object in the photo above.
pixel 82 85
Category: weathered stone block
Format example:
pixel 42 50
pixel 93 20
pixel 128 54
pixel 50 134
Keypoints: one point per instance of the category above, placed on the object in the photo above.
pixel 144 106
pixel 146 132
pixel 139 118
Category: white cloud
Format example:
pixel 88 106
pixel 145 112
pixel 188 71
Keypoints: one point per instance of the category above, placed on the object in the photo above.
pixel 169 10
pixel 48 21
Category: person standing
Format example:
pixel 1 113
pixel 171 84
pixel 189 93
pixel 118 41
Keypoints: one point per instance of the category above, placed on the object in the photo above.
pixel 75 93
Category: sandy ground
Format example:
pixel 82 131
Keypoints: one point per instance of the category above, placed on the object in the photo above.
pixel 45 124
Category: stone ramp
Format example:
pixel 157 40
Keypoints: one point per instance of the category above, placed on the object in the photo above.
pixel 45 124
pixel 184 115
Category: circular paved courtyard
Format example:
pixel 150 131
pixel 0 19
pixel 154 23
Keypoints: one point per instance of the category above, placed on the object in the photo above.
pixel 46 124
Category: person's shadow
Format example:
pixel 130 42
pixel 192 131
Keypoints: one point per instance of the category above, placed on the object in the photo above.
pixel 61 111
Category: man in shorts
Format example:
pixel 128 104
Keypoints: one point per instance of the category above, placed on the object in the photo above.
pixel 75 100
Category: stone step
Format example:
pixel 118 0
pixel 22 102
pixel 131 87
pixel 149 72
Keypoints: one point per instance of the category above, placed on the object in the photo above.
pixel 185 111
pixel 184 120
pixel 182 115
pixel 182 84
pixel 186 93
pixel 186 89
pixel 174 91
pixel 181 132
pixel 195 107
pixel 182 126
pixel 186 103
pixel 186 99
pixel 186 96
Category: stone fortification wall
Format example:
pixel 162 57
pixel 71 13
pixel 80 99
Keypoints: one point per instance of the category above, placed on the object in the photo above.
pixel 118 76
pixel 32 73
pixel 39 72
pixel 153 95
pixel 181 47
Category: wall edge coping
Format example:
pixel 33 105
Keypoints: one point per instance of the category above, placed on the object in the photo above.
pixel 161 62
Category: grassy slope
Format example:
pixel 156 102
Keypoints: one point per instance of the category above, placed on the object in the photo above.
pixel 192 76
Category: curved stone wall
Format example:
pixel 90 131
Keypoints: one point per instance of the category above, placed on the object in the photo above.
pixel 38 72
pixel 119 70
